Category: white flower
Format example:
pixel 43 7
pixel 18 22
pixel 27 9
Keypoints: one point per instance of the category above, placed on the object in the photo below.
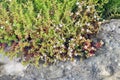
pixel 93 48
pixel 77 24
pixel 88 31
pixel 98 19
pixel 75 60
pixel 77 3
pixel 85 47
pixel 76 54
pixel 70 54
pixel 38 15
pixel 54 46
pixel 60 51
pixel 88 8
pixel 64 59
pixel 57 57
pixel 41 57
pixel 99 23
pixel 68 59
pixel 91 54
pixel 101 42
pixel 72 39
pixel 45 56
pixel 103 20
pixel 88 24
pixel 6 22
pixel 82 29
pixel 69 48
pixel 2 27
pixel 95 16
pixel 37 32
pixel 57 28
pixel 77 13
pixel 63 39
pixel 54 25
pixel 62 45
pixel 93 5
pixel 73 44
pixel 55 60
pixel 79 6
pixel 60 25
pixel 80 37
pixel 71 14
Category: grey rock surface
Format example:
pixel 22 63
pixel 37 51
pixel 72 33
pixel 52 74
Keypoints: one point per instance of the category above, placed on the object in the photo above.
pixel 5 77
pixel 105 65
pixel 11 67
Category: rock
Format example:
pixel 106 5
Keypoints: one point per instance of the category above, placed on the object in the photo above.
pixel 116 76
pixel 5 78
pixel 14 68
pixel 107 71
pixel 11 67
pixel 55 74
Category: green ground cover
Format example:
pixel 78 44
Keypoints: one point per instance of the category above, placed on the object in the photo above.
pixel 51 30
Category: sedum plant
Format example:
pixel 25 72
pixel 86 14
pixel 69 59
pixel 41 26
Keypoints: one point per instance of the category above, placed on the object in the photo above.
pixel 49 30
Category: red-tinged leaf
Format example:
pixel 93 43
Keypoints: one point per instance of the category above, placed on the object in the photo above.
pixel 4 45
pixel 14 44
pixel 98 44
pixel 29 56
pixel 0 44
pixel 36 54
pixel 92 52
pixel 87 43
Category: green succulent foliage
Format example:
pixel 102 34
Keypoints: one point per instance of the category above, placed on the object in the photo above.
pixel 49 30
